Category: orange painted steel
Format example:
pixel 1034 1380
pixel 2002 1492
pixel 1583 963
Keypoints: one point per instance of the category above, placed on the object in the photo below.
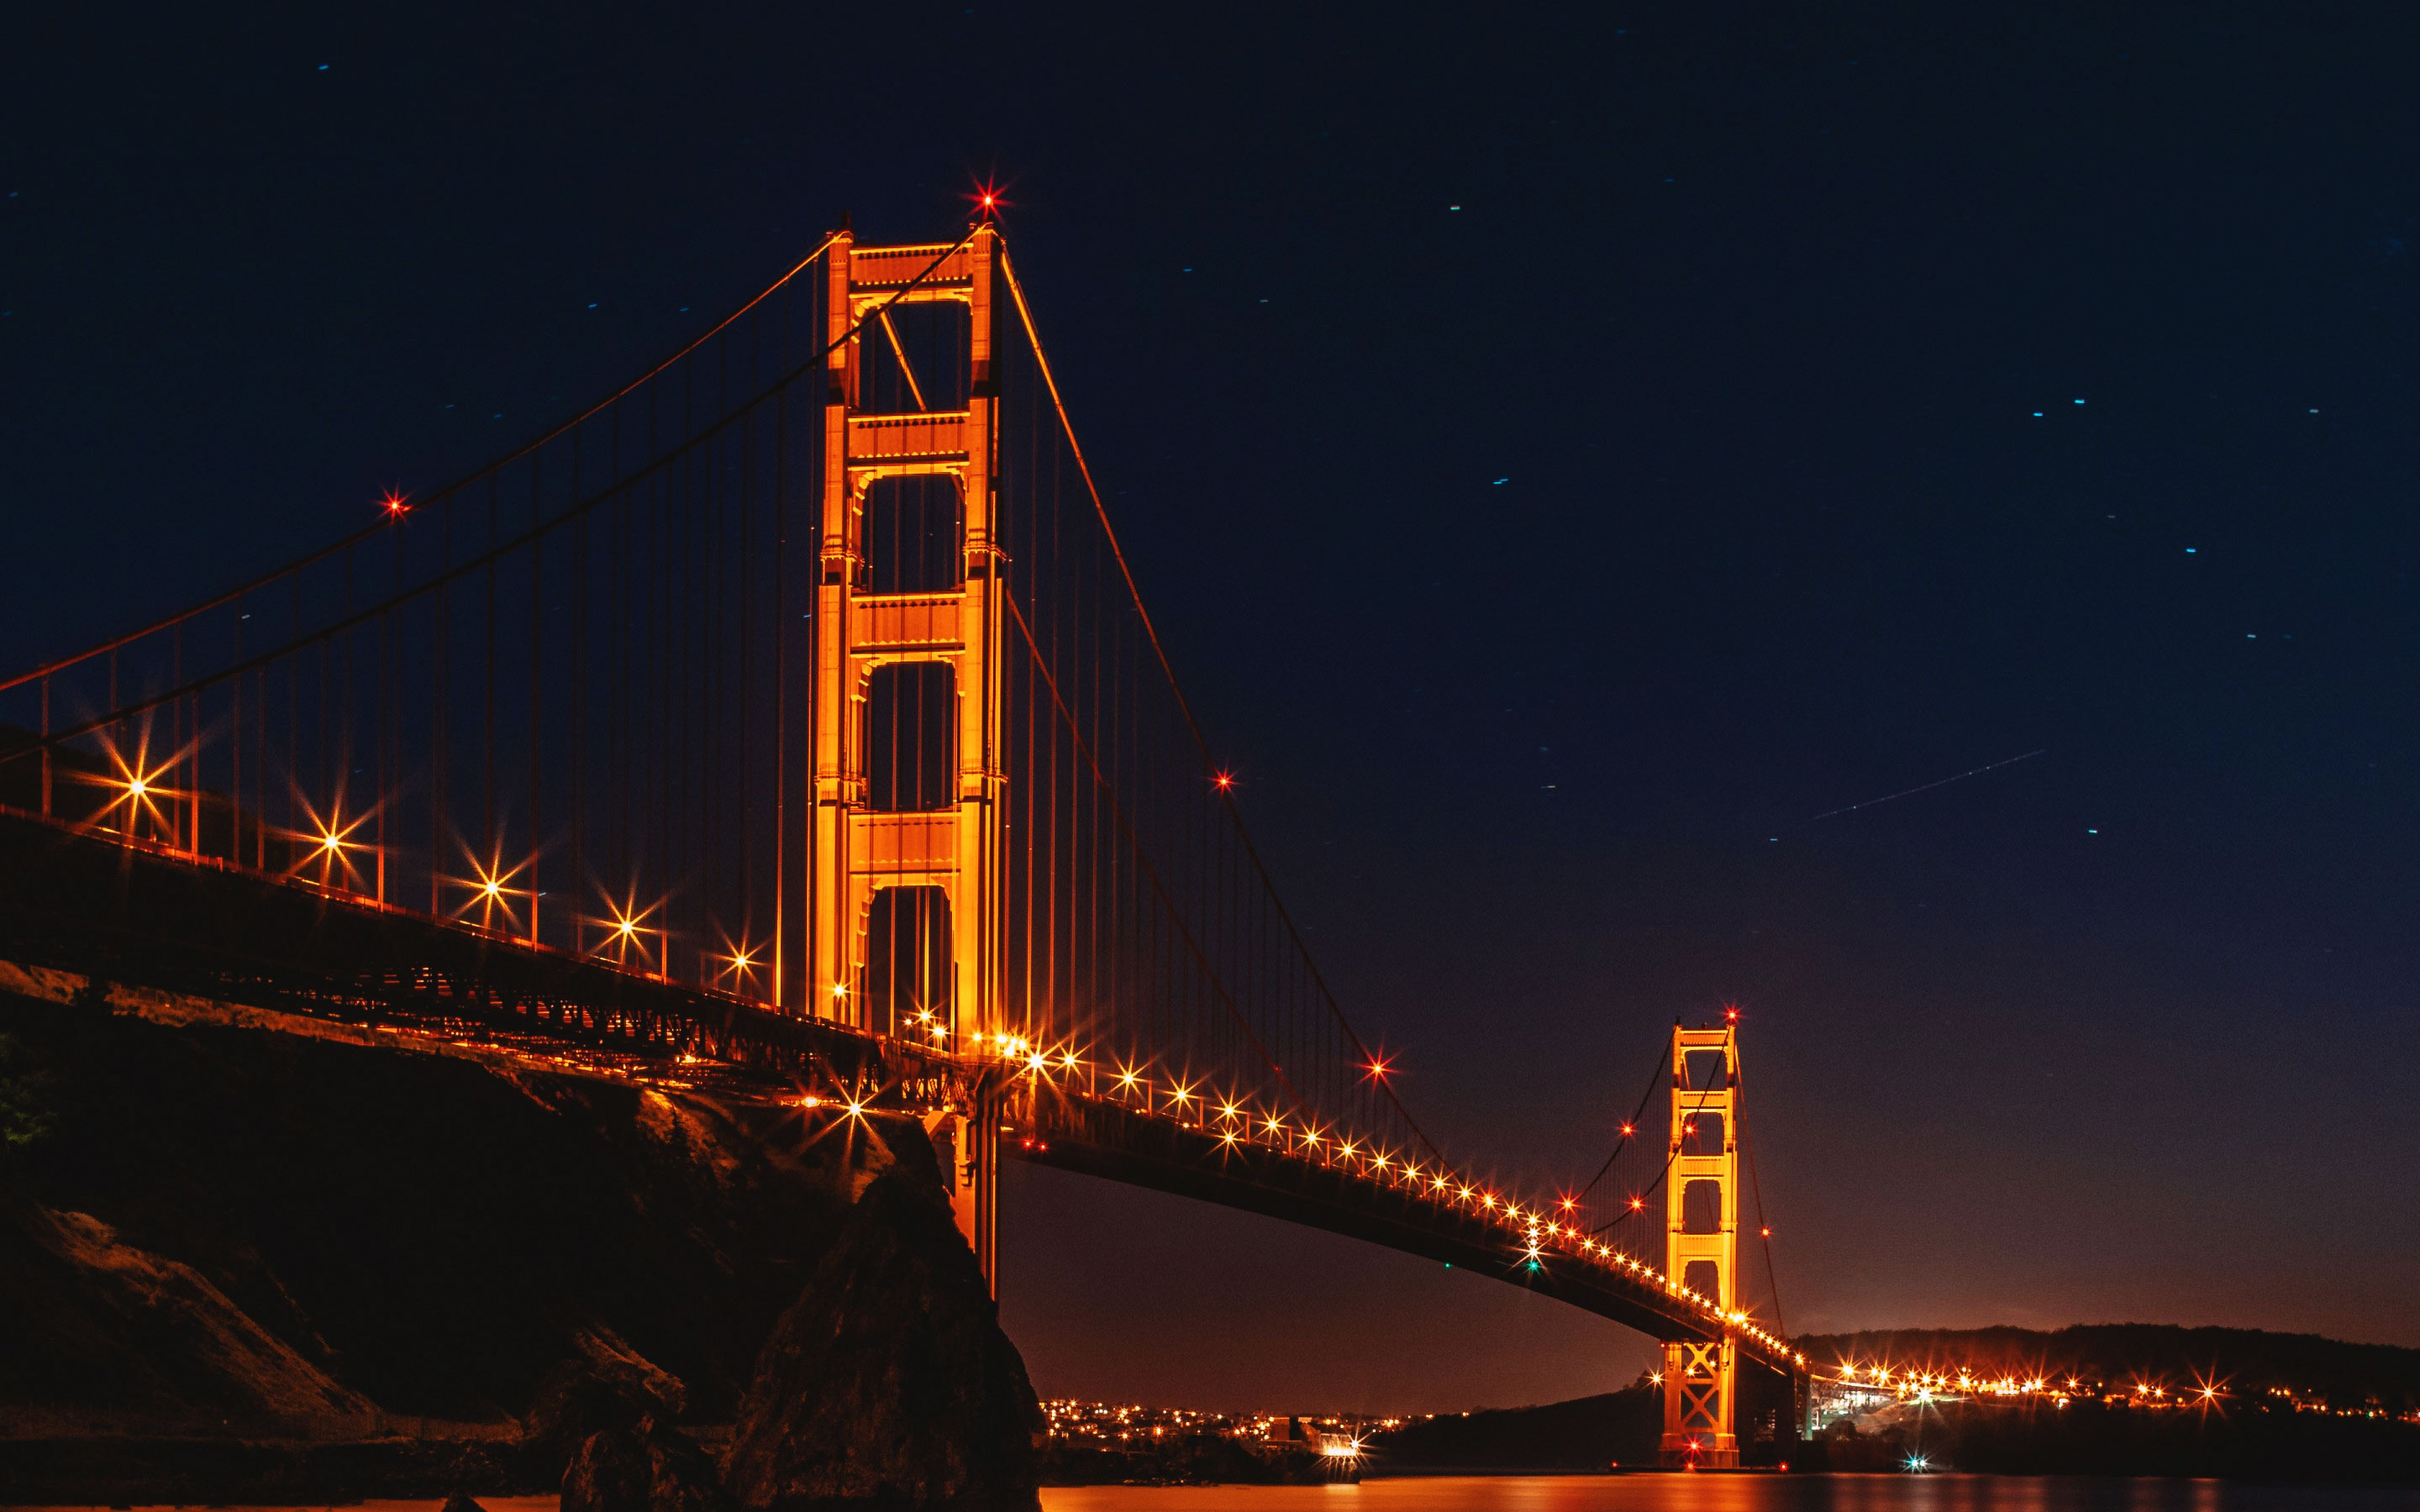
pixel 858 851
pixel 1702 1376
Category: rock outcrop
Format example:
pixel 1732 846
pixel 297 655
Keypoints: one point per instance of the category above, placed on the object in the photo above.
pixel 608 1387
pixel 888 1385
pixel 100 1330
pixel 229 1230
pixel 646 1467
pixel 276 1266
pixel 245 1266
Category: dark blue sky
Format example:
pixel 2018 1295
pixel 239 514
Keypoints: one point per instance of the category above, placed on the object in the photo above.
pixel 1773 325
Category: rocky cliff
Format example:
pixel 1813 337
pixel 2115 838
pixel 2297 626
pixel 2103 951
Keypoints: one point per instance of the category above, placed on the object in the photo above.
pixel 887 1383
pixel 269 1256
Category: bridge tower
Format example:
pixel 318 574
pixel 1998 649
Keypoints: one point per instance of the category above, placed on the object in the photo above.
pixel 941 853
pixel 1701 1244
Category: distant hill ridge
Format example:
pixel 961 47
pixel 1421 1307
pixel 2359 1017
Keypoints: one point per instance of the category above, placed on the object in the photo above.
pixel 2239 1360
pixel 2365 1433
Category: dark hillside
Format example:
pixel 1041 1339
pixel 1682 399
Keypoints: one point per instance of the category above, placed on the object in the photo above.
pixel 221 1225
pixel 247 1266
pixel 1586 1433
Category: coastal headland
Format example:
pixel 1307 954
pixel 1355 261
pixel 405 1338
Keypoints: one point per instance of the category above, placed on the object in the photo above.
pixel 237 1264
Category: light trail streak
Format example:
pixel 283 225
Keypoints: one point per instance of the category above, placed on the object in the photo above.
pixel 1930 786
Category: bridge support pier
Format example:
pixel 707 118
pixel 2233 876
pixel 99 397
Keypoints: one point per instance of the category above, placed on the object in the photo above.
pixel 1700 1404
pixel 1701 1246
pixel 965 1142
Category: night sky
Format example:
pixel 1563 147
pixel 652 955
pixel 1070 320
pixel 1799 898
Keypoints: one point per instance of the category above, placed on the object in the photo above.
pixel 1567 454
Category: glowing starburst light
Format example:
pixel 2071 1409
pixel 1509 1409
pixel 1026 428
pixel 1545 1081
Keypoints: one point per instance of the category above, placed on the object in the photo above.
pixel 491 890
pixel 626 925
pixel 137 794
pixel 736 963
pixel 325 844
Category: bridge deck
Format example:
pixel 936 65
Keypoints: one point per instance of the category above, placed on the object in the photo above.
pixel 1103 1139
pixel 86 903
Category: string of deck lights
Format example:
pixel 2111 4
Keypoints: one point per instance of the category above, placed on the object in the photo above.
pixel 489 893
pixel 1233 1122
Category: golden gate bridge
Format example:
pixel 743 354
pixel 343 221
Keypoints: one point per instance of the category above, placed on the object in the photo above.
pixel 789 726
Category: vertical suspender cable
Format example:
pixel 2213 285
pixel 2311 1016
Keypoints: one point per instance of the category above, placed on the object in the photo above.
pixel 536 694
pixel 492 848
pixel 781 694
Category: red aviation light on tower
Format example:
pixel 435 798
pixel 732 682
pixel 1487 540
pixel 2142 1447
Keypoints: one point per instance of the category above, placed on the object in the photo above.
pixel 398 505
pixel 1223 781
pixel 1731 1013
pixel 987 200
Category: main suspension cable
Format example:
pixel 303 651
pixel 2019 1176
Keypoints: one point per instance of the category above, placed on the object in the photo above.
pixel 1764 1229
pixel 1629 1131
pixel 367 532
pixel 1117 811
pixel 1201 741
pixel 495 553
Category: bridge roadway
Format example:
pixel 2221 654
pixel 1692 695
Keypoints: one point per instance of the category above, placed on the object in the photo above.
pixel 271 949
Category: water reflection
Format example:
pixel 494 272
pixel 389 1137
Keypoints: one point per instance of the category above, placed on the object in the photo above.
pixel 1738 1494
pixel 1643 1493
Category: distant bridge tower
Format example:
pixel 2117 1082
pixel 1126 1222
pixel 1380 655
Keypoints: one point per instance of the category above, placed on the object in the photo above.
pixel 908 874
pixel 1701 1244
